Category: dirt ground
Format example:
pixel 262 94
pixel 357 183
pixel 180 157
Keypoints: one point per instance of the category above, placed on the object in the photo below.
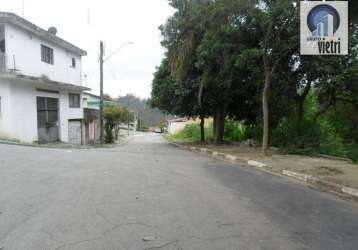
pixel 337 171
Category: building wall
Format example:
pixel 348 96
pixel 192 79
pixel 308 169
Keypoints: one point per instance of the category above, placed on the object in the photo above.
pixel 4 107
pixel 26 48
pixel 20 112
pixel 93 102
pixel 176 127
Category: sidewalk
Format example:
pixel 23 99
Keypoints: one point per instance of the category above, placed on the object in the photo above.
pixel 61 145
pixel 334 175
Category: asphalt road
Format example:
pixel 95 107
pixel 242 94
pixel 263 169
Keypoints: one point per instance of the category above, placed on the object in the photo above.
pixel 113 198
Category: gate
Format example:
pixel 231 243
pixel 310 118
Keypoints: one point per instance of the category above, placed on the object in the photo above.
pixel 47 119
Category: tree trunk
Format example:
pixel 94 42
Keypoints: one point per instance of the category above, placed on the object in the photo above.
pixel 202 114
pixel 265 108
pixel 220 115
pixel 214 126
pixel 299 110
pixel 116 132
pixel 202 130
pixel 269 71
pixel 300 103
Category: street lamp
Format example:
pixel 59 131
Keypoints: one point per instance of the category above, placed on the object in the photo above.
pixel 117 50
pixel 101 61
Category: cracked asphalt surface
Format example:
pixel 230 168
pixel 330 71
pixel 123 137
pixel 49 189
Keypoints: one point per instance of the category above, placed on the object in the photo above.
pixel 113 198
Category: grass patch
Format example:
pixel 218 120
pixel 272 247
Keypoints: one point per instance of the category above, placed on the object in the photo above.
pixel 306 139
pixel 190 134
pixel 234 132
pixel 344 150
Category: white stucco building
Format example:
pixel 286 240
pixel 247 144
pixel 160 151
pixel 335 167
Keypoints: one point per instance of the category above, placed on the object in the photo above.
pixel 40 83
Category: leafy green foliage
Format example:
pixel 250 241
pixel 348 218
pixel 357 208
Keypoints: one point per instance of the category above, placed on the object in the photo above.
pixel 191 134
pixel 114 116
pixel 222 56
pixel 111 114
pixel 162 125
pixel 235 131
pixel 303 137
pixel 149 117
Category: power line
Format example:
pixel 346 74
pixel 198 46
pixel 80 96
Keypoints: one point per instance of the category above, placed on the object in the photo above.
pixel 23 8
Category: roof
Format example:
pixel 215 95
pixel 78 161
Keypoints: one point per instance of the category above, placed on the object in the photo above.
pixel 183 119
pixel 6 17
pixel 46 82
pixel 90 94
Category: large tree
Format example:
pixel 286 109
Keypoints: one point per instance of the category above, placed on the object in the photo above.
pixel 219 53
pixel 277 22
pixel 182 35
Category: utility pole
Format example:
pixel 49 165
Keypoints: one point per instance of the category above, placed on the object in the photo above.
pixel 128 117
pixel 23 8
pixel 101 62
pixel 101 54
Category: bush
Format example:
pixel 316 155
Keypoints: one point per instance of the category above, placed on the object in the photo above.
pixel 304 137
pixel 254 132
pixel 235 131
pixel 311 138
pixel 191 133
pixel 111 115
pixel 351 151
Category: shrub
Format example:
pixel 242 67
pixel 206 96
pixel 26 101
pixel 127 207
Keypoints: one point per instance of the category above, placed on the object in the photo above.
pixel 235 131
pixel 254 132
pixel 293 137
pixel 191 133
pixel 111 115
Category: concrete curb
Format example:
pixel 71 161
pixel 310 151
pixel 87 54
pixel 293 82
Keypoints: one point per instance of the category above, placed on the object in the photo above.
pixel 67 146
pixel 298 176
pixel 317 183
pixel 257 164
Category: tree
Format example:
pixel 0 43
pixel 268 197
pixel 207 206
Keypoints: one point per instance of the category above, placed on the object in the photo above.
pixel 277 22
pixel 111 115
pixel 181 36
pixel 225 39
pixel 171 96
pixel 115 116
pixel 226 58
pixel 148 116
pixel 107 97
pixel 162 125
pixel 203 40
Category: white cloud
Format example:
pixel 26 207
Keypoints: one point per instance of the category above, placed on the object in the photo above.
pixel 115 22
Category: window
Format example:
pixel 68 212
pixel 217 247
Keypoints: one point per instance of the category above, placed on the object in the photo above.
pixel 73 63
pixel 46 54
pixel 75 100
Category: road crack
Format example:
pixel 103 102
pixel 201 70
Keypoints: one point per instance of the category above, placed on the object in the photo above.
pixel 78 242
pixel 164 245
pixel 217 238
pixel 229 224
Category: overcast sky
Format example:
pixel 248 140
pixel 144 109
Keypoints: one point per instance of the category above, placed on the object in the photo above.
pixel 115 22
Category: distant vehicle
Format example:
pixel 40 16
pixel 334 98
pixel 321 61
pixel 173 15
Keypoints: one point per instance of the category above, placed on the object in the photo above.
pixel 158 131
pixel 155 130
